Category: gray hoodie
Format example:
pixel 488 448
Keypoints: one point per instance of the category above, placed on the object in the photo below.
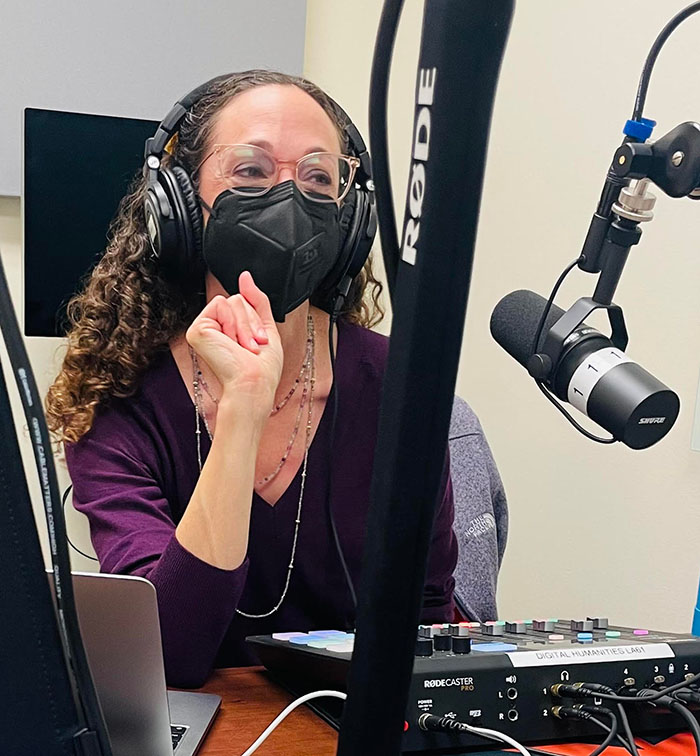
pixel 481 515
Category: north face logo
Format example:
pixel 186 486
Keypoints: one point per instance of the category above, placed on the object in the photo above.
pixel 481 525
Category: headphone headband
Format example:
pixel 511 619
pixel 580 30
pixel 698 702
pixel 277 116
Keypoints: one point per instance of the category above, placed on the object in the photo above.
pixel 156 144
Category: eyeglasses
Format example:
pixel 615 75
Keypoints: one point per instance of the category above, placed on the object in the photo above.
pixel 253 171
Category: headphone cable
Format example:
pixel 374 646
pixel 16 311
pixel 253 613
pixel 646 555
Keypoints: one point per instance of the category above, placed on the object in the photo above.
pixel 64 498
pixel 333 397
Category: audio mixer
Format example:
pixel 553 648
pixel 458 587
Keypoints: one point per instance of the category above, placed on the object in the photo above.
pixel 500 675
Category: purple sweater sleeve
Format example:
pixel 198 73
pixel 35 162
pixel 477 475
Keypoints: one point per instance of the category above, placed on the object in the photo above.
pixel 115 483
pixel 438 595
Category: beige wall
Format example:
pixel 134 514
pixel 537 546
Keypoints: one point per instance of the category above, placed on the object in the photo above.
pixel 44 355
pixel 593 529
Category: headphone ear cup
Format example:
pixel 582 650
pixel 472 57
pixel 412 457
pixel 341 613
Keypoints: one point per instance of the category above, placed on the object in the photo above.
pixel 361 234
pixel 180 245
pixel 357 235
pixel 192 213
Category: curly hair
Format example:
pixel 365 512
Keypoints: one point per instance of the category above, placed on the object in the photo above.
pixel 128 311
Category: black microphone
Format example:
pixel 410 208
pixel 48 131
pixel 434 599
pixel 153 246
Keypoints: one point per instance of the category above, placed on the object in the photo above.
pixel 591 374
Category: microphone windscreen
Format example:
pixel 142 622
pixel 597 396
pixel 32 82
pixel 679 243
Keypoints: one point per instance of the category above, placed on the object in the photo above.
pixel 515 319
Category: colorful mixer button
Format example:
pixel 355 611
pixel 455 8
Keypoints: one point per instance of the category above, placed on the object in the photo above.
pixel 327 642
pixel 556 637
pixel 641 632
pixel 341 648
pixel 585 636
pixel 494 647
pixel 613 634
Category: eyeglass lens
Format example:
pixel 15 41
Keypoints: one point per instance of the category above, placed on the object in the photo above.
pixel 320 176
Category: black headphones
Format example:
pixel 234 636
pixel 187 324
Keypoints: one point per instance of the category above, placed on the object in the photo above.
pixel 174 216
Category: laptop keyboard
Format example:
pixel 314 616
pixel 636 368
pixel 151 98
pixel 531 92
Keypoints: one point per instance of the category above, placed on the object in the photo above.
pixel 177 732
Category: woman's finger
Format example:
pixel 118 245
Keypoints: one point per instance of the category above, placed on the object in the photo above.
pixel 255 323
pixel 244 332
pixel 257 299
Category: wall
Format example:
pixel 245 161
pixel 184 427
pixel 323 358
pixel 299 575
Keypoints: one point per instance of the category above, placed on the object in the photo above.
pixel 129 58
pixel 594 529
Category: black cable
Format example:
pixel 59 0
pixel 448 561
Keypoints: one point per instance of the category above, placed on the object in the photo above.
pixel 689 696
pixel 70 543
pixel 535 347
pixel 684 712
pixel 653 54
pixel 628 730
pixel 612 732
pixel 550 302
pixel 571 419
pixel 68 627
pixel 670 703
pixel 587 713
pixel 595 690
pixel 329 496
pixel 378 103
pixel 613 720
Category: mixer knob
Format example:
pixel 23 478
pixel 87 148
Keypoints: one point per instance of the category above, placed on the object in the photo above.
pixel 442 642
pixel 424 646
pixel 493 628
pixel 516 627
pixel 582 626
pixel 461 644
pixel 599 623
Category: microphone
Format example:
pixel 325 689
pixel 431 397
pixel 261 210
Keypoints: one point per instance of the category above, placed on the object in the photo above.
pixel 591 374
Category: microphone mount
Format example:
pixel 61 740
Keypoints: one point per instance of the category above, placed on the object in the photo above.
pixel 673 164
pixel 542 364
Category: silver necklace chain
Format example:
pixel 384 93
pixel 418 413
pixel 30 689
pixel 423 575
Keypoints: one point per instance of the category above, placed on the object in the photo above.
pixel 199 411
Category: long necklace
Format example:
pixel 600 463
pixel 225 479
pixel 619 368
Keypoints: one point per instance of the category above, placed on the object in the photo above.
pixel 199 410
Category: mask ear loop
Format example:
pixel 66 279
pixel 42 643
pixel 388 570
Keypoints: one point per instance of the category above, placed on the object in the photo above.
pixel 205 205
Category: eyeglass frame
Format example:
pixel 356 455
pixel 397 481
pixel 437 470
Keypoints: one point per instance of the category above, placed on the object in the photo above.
pixel 353 162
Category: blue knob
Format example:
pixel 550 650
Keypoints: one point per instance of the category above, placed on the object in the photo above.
pixel 640 129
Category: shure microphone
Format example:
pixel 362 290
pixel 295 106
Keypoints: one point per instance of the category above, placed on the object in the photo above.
pixel 591 374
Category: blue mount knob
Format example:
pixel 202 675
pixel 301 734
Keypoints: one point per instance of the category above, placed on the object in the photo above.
pixel 640 129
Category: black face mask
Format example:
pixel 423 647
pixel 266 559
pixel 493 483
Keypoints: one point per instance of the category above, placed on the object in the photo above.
pixel 288 242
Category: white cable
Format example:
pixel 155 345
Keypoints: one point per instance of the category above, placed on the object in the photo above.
pixel 498 736
pixel 289 710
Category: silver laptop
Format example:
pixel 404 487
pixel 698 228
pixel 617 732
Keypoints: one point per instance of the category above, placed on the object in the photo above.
pixel 118 617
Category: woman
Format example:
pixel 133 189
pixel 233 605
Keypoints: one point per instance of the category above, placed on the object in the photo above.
pixel 195 409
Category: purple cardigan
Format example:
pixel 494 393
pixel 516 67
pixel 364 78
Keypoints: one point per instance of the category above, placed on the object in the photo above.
pixel 133 475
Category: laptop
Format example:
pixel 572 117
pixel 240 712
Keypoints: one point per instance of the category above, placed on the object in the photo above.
pixel 118 617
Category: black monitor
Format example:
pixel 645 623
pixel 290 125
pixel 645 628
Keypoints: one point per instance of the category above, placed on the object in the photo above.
pixel 76 169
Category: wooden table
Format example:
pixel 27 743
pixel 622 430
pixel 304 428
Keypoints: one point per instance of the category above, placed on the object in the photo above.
pixel 251 701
